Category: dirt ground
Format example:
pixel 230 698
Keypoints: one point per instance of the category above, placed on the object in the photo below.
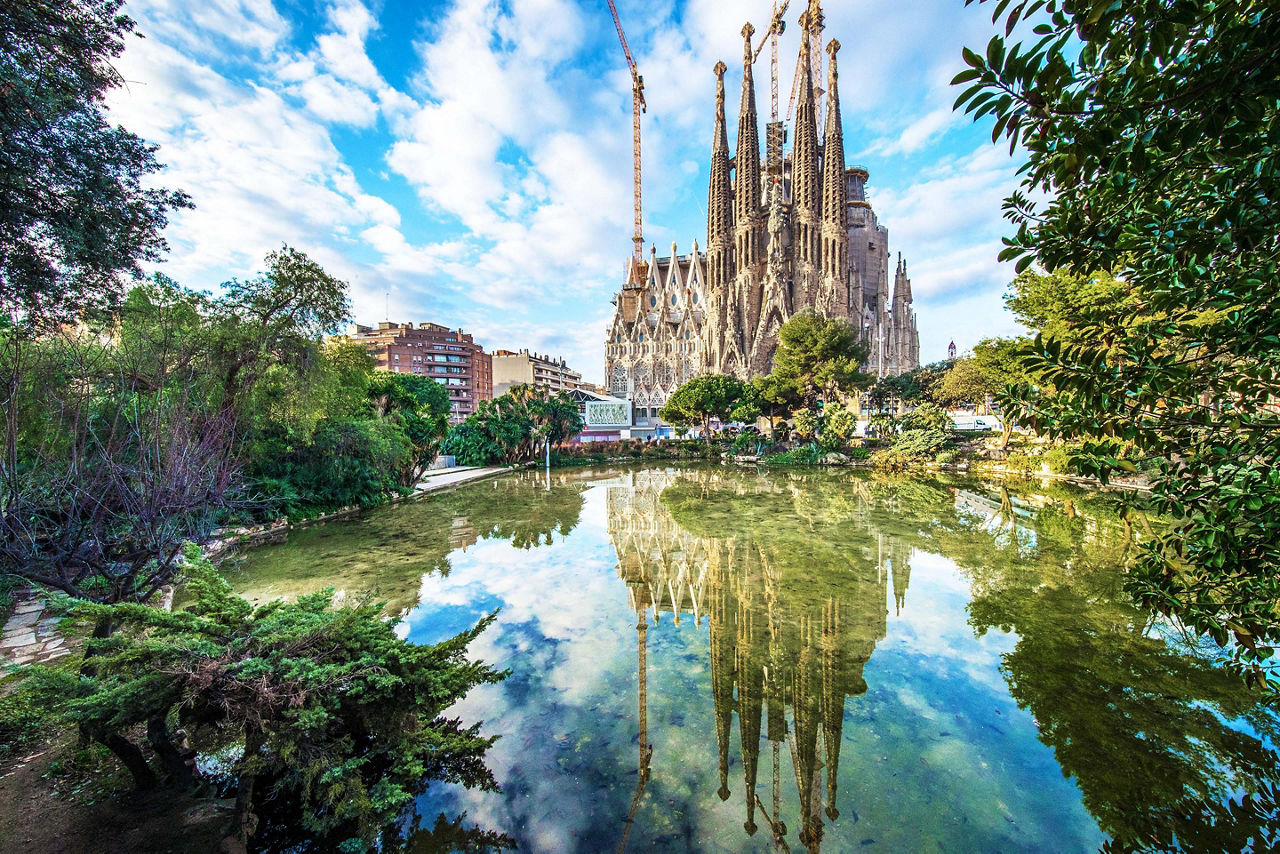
pixel 41 812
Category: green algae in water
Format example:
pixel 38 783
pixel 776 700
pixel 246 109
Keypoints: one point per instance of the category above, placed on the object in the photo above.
pixel 719 659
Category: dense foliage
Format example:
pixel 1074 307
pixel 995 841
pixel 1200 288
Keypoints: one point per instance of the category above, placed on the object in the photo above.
pixel 701 399
pixel 76 207
pixel 818 359
pixel 1152 129
pixel 319 708
pixel 180 411
pixel 515 427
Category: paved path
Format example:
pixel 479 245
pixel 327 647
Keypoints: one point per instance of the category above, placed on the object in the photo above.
pixel 445 478
pixel 31 635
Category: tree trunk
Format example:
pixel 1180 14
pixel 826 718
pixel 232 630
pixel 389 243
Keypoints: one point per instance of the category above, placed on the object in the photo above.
pixel 175 763
pixel 131 757
pixel 244 822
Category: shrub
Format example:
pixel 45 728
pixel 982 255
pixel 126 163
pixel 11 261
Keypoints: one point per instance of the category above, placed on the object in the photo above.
pixel 945 457
pixel 1058 459
pixel 859 453
pixel 327 710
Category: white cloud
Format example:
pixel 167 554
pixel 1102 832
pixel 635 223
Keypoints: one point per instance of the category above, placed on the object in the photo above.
pixel 511 136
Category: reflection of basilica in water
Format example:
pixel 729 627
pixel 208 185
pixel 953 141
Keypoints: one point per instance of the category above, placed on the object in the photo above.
pixel 793 621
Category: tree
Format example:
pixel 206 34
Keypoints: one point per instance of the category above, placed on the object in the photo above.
pixel 514 427
pixel 839 420
pixel 325 709
pixel 818 358
pixel 75 214
pixel 1151 129
pixel 1057 303
pixel 420 407
pixel 927 416
pixel 131 433
pixel 773 398
pixel 703 398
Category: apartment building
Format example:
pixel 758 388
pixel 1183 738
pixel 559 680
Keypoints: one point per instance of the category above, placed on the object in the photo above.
pixel 449 356
pixel 524 368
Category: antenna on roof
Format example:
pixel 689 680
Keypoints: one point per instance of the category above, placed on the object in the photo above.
pixel 388 306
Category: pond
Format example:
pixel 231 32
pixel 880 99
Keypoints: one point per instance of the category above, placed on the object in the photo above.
pixel 718 659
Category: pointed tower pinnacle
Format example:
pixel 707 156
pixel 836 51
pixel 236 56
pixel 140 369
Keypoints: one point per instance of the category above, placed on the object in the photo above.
pixel 719 198
pixel 749 234
pixel 805 178
pixel 835 214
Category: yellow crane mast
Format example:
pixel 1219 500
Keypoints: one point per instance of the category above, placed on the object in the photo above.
pixel 776 27
pixel 637 107
pixel 811 22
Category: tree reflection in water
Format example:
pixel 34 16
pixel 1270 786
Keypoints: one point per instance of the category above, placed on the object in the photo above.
pixel 792 576
pixel 1168 750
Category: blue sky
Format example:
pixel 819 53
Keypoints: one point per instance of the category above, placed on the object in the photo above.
pixel 469 162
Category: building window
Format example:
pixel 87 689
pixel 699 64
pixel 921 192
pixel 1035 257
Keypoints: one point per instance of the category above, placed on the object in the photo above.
pixel 451 347
pixel 396 357
pixel 653 301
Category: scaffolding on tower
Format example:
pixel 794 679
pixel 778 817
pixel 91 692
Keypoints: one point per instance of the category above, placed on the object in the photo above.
pixel 775 131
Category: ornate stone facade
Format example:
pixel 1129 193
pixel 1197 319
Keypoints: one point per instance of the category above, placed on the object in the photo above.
pixel 794 233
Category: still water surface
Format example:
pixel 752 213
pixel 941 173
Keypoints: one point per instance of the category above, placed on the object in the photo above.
pixel 717 659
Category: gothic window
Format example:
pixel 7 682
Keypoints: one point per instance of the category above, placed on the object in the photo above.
pixel 642 373
pixel 619 384
pixel 653 301
pixel 695 299
pixel 665 374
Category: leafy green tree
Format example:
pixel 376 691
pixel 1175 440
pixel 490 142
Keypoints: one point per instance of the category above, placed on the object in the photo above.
pixel 702 399
pixel 1057 304
pixel 839 420
pixel 76 214
pixel 514 427
pixel 773 398
pixel 994 365
pixel 319 707
pixel 965 382
pixel 806 423
pixel 926 416
pixel 420 407
pixel 819 358
pixel 1150 127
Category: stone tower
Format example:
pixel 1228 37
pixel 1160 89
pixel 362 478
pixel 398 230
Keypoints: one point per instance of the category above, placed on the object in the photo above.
pixel 795 233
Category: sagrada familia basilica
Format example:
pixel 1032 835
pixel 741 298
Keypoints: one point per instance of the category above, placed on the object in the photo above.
pixel 792 233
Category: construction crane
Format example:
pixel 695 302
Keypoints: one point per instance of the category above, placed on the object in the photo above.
pixel 637 107
pixel 776 27
pixel 811 21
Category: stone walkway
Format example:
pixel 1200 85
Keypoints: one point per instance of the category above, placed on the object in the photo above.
pixel 31 635
pixel 444 478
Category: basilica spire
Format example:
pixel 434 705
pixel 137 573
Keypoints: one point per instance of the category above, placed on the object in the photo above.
pixel 749 233
pixel 835 216
pixel 805 177
pixel 720 198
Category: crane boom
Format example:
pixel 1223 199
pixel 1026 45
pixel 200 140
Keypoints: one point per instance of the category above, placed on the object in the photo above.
pixel 776 26
pixel 637 107
pixel 811 21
